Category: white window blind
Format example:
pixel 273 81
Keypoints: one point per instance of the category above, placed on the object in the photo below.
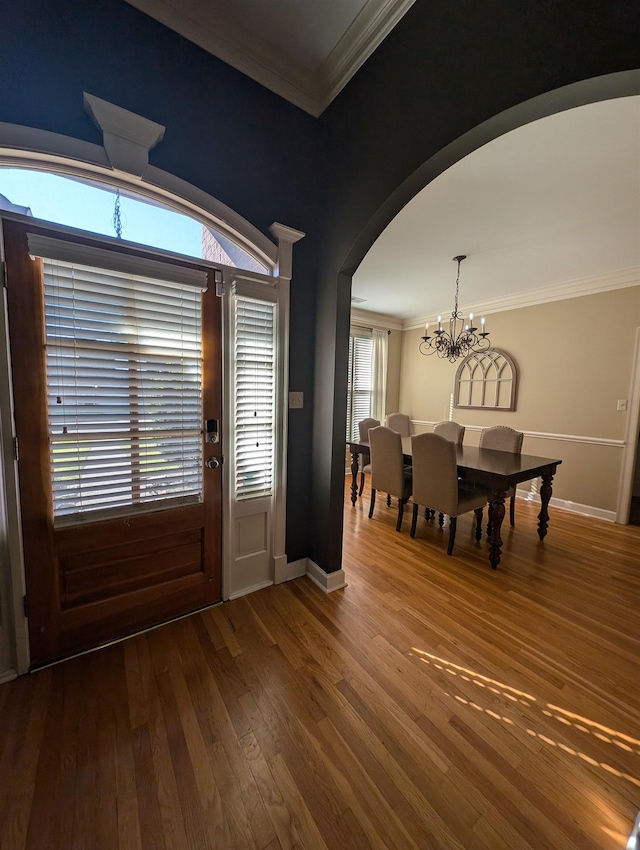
pixel 360 382
pixel 124 390
pixel 255 385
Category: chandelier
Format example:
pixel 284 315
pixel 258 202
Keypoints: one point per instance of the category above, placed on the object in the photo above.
pixel 461 339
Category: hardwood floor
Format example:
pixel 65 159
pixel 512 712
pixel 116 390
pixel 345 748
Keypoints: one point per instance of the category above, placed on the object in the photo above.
pixel 433 703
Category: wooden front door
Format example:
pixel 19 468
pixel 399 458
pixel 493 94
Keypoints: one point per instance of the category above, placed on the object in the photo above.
pixel 111 543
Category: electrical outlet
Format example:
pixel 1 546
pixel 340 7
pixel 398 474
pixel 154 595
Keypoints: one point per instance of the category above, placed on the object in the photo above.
pixel 622 404
pixel 296 400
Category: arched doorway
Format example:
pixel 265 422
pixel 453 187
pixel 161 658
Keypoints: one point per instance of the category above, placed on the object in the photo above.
pixel 593 91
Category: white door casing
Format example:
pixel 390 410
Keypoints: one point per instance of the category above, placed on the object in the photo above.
pixel 31 148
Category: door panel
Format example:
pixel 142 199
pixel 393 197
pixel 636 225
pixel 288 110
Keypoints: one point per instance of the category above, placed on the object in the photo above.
pixel 97 580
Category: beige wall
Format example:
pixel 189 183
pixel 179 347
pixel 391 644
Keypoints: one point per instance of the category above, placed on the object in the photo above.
pixel 569 382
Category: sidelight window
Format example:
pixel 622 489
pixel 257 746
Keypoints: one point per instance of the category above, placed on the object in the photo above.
pixel 255 390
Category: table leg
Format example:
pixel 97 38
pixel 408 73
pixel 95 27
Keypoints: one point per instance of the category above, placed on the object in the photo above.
pixel 496 515
pixel 354 476
pixel 545 498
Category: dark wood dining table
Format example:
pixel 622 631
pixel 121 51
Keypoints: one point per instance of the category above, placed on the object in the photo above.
pixel 494 469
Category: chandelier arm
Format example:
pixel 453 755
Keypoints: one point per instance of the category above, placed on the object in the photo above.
pixel 459 340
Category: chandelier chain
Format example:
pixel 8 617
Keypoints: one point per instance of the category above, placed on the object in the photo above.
pixel 460 340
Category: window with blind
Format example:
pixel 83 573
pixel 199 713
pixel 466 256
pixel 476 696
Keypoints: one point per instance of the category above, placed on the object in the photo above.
pixel 255 386
pixel 124 389
pixel 360 381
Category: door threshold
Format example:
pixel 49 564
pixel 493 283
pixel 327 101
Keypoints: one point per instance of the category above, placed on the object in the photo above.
pixel 37 668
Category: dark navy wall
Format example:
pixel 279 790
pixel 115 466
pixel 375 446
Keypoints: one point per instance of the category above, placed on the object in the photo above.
pixel 225 134
pixel 446 68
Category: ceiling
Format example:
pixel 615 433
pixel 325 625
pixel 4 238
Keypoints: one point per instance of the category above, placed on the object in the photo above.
pixel 548 210
pixel 304 50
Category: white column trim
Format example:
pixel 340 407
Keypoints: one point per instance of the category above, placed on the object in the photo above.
pixel 286 237
pixel 629 458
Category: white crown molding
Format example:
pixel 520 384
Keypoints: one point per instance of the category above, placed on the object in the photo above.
pixel 375 21
pixel 240 48
pixel 254 56
pixel 379 321
pixel 620 279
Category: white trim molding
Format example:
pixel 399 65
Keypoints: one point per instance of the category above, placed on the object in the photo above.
pixel 629 459
pixel 27 147
pixel 8 676
pixel 541 435
pixel 287 571
pixel 327 582
pixel 373 23
pixel 567 505
pixel 311 89
pixel 620 279
pixel 245 591
pixel 375 321
pixel 127 137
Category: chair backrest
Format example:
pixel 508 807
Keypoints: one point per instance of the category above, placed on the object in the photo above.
pixel 451 431
pixel 501 438
pixel 399 422
pixel 363 428
pixel 435 473
pixel 387 468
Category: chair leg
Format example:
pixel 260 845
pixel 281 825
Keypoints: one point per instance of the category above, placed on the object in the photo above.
pixel 401 503
pixel 478 513
pixel 361 483
pixel 441 520
pixel 512 510
pixel 373 501
pixel 453 522
pixel 388 500
pixel 414 520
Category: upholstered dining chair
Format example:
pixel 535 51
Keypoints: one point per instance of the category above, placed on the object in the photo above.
pixel 363 429
pixel 503 439
pixel 436 483
pixel 451 431
pixel 399 422
pixel 388 472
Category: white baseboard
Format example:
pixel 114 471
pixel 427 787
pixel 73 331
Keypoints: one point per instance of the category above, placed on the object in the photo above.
pixel 328 582
pixel 245 590
pixel 574 507
pixel 8 676
pixel 286 571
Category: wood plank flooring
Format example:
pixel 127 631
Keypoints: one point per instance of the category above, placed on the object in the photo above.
pixel 433 703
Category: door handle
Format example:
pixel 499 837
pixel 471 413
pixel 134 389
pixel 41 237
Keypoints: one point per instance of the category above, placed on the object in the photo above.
pixel 212 462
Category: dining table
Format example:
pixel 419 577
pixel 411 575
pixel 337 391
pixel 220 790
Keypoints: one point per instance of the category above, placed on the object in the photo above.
pixel 496 470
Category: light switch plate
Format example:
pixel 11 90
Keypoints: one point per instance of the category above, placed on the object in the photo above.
pixel 296 400
pixel 622 404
